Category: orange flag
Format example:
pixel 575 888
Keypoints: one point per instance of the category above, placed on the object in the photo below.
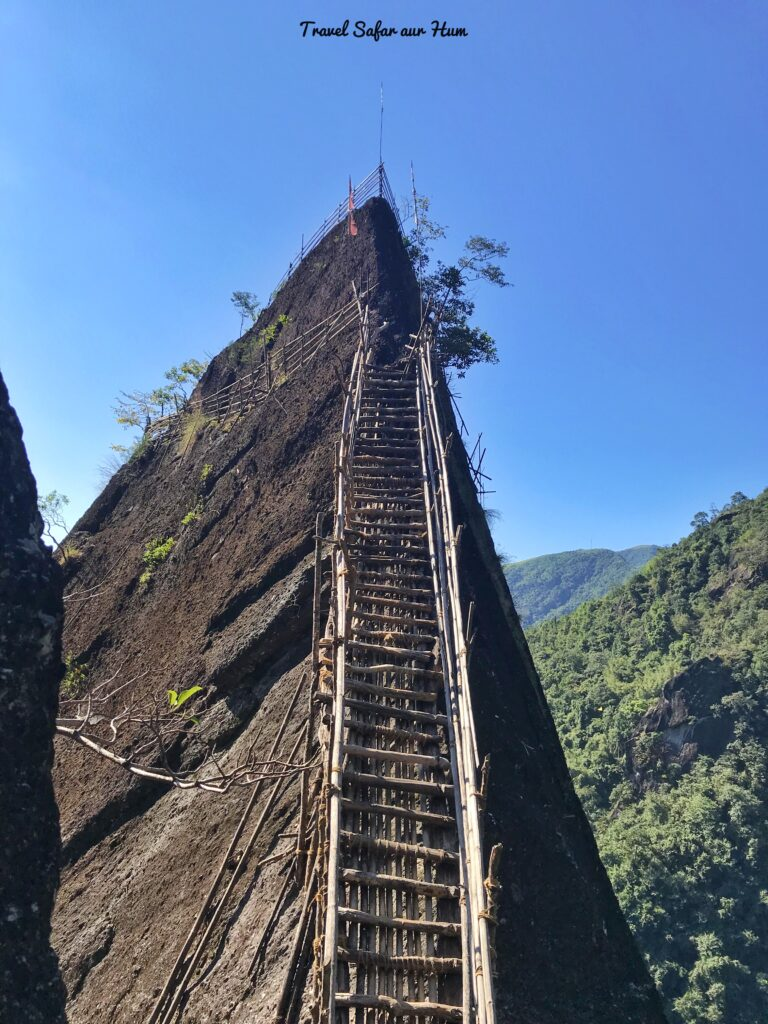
pixel 351 218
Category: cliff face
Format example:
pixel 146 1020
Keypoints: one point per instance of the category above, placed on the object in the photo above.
pixel 230 609
pixel 30 668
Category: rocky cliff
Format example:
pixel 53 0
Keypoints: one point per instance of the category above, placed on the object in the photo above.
pixel 30 668
pixel 230 609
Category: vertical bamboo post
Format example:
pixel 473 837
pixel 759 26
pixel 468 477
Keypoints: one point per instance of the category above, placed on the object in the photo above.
pixel 335 774
pixel 460 804
pixel 302 866
pixel 486 1009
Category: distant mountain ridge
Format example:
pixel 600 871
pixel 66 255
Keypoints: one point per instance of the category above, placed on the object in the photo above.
pixel 549 586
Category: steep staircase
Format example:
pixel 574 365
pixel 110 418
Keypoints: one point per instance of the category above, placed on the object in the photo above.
pixel 401 934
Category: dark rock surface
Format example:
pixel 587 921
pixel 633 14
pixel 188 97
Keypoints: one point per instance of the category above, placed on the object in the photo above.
pixel 231 609
pixel 687 720
pixel 31 991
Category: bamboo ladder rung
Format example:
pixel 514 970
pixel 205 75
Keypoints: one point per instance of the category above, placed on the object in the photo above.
pixel 394 693
pixel 392 513
pixel 394 602
pixel 371 707
pixel 398 756
pixel 441 890
pixel 378 576
pixel 422 964
pixel 389 587
pixel 397 652
pixel 378 617
pixel 392 634
pixel 392 847
pixel 398 1007
pixel 436 789
pixel 395 811
pixel 406 923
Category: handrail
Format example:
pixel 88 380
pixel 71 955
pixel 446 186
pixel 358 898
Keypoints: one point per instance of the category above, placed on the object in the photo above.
pixel 376 183
pixel 458 679
pixel 255 386
pixel 342 569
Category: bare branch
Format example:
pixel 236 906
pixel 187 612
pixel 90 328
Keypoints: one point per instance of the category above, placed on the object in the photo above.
pixel 140 734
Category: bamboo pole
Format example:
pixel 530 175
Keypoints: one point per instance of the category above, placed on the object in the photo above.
pixel 486 1009
pixel 223 866
pixel 450 703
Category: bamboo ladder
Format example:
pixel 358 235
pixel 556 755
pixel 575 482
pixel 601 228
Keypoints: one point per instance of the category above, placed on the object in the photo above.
pixel 402 927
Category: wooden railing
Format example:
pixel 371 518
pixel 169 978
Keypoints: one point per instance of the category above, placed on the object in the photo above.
pixel 277 362
pixel 375 184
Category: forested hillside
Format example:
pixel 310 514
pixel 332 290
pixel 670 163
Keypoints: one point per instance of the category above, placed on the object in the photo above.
pixel 660 694
pixel 553 585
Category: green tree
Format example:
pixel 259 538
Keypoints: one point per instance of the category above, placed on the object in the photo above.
pixel 247 305
pixel 51 507
pixel 682 831
pixel 444 286
pixel 139 409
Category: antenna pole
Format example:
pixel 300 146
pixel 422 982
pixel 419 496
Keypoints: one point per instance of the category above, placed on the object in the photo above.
pixel 381 125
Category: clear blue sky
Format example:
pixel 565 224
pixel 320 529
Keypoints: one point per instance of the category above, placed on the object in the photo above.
pixel 156 156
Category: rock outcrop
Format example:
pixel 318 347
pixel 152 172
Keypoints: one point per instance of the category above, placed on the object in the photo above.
pixel 688 719
pixel 31 991
pixel 230 609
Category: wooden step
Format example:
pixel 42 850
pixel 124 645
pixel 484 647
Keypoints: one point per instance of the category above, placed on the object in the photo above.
pixel 402 670
pixel 397 757
pixel 395 619
pixel 397 1007
pixel 405 577
pixel 383 634
pixel 396 652
pixel 394 534
pixel 404 558
pixel 395 499
pixel 394 602
pixel 392 513
pixel 379 587
pixel 371 781
pixel 385 732
pixel 411 924
pixel 386 446
pixel 383 420
pixel 392 692
pixel 391 429
pixel 372 707
pixel 392 848
pixel 411 964
pixel 391 811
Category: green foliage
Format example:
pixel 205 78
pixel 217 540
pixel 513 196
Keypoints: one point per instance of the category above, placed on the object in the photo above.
pixel 194 513
pixel 250 349
pixel 155 553
pixel 553 585
pixel 458 345
pixel 68 553
pixel 687 849
pixel 139 409
pixel 247 305
pixel 176 699
pixel 205 472
pixel 74 679
pixel 192 424
pixel 51 507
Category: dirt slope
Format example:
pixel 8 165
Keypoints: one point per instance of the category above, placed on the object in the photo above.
pixel 231 609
